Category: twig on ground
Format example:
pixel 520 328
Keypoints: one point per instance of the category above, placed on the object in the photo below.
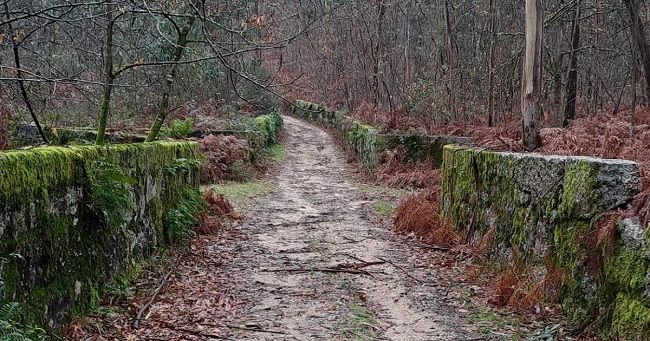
pixel 191 331
pixel 251 329
pixel 352 256
pixel 432 247
pixel 400 268
pixel 145 308
pixel 330 270
pixel 352 240
pixel 357 266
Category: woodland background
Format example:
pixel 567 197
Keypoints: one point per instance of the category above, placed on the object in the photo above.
pixel 429 65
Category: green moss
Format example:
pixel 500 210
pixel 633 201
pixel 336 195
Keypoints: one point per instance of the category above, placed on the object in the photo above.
pixel 568 238
pixel 63 251
pixel 627 269
pixel 26 176
pixel 385 209
pixel 365 140
pixel 269 126
pixel 578 190
pixel 631 318
pixel 550 225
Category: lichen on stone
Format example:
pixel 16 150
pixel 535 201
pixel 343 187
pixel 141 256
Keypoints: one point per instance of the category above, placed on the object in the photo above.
pixel 545 210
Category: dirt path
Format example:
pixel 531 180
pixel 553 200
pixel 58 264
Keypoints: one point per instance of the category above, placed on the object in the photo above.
pixel 286 272
pixel 317 219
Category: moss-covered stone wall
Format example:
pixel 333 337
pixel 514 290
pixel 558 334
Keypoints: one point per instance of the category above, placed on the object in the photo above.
pixel 541 212
pixel 270 126
pixel 370 143
pixel 72 218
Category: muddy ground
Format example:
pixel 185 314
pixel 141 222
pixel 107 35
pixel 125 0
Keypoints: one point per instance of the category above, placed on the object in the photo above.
pixel 313 260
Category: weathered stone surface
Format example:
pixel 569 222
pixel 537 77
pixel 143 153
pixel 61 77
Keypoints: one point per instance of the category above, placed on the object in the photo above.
pixel 632 233
pixel 543 210
pixel 420 148
pixel 58 246
pixel 27 135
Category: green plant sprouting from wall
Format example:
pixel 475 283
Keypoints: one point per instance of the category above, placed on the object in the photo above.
pixel 184 166
pixel 11 329
pixel 111 191
pixel 178 129
pixel 182 219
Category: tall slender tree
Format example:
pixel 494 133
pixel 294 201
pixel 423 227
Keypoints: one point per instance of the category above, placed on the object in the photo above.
pixel 109 74
pixel 163 108
pixel 572 76
pixel 531 89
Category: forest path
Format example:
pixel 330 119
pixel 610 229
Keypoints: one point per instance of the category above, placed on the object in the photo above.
pixel 313 261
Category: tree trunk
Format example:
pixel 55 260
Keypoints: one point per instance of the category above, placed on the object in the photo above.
pixel 21 83
pixel 639 36
pixel 378 51
pixel 572 77
pixel 635 74
pixel 451 60
pixel 163 107
pixel 531 90
pixel 493 42
pixel 109 76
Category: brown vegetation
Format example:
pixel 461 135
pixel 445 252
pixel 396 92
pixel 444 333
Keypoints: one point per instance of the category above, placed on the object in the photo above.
pixel 393 172
pixel 223 155
pixel 419 215
pixel 219 210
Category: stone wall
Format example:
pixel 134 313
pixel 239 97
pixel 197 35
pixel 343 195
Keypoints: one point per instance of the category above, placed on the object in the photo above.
pixel 23 135
pixel 542 212
pixel 74 218
pixel 370 143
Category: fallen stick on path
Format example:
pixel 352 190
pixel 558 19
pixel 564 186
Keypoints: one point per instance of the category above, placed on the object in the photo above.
pixel 357 266
pixel 191 331
pixel 401 268
pixel 332 270
pixel 258 330
pixel 145 308
pixel 432 247
pixel 251 329
pixel 353 268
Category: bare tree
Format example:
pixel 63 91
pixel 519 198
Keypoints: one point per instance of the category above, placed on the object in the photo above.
pixel 109 74
pixel 531 90
pixel 15 40
pixel 572 77
pixel 638 33
pixel 163 108
pixel 451 59
pixel 491 61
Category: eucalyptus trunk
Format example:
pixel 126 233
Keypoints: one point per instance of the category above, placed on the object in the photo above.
pixel 531 90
